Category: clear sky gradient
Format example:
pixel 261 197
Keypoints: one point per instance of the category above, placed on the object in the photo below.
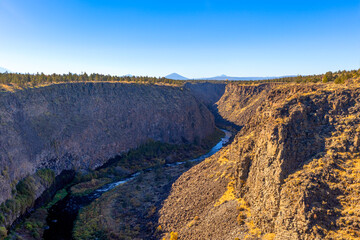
pixel 193 38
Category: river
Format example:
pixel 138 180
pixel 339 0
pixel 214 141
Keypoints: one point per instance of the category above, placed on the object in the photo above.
pixel 62 215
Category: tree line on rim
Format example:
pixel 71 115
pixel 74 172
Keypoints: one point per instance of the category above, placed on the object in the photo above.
pixel 32 80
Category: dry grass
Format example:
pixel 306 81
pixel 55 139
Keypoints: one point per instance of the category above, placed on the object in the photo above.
pixel 14 87
pixel 269 236
pixel 229 195
pixel 9 88
pixel 193 222
pixel 338 168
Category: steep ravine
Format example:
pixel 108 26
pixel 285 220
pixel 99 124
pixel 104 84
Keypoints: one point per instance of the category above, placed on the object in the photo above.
pixel 292 172
pixel 80 126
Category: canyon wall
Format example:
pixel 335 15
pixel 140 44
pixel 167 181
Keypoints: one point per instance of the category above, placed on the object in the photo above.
pixel 292 172
pixel 82 125
pixel 207 92
pixel 239 102
pixel 232 104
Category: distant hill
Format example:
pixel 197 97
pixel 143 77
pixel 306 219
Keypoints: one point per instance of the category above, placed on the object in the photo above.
pixel 225 77
pixel 176 76
pixel 2 70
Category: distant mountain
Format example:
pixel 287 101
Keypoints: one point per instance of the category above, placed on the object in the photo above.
pixel 176 76
pixel 225 77
pixel 2 70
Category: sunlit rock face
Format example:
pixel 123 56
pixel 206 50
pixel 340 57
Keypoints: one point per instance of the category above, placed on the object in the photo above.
pixel 292 172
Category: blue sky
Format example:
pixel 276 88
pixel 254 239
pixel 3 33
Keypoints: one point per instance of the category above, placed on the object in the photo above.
pixel 193 38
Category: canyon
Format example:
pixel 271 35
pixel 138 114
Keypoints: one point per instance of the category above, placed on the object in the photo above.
pixel 290 172
pixel 82 125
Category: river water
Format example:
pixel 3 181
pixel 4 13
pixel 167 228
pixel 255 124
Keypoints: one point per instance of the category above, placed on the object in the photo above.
pixel 62 215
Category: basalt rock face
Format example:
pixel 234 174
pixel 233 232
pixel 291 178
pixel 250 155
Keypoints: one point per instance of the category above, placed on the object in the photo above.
pixel 239 102
pixel 80 126
pixel 232 103
pixel 292 172
pixel 208 93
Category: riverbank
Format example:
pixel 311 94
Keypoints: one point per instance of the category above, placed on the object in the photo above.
pixel 129 211
pixel 148 155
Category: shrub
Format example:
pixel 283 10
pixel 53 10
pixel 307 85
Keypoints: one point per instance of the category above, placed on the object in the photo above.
pixel 29 226
pixel 327 77
pixel 3 233
pixel 173 236
pixel 47 176
pixel 24 192
pixel 159 228
pixel 339 80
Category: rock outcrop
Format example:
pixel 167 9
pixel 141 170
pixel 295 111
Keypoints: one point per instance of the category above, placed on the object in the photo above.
pixel 82 125
pixel 292 172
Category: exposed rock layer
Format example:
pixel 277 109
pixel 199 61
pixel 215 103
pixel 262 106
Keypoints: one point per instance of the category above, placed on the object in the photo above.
pixel 239 102
pixel 81 125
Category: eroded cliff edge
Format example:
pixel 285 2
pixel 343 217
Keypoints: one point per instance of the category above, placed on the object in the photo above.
pixel 292 172
pixel 81 125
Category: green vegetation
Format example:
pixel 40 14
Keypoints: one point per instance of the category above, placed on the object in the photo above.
pixel 130 210
pixel 47 176
pixel 3 232
pixel 112 216
pixel 149 154
pixel 337 77
pixel 31 228
pixel 344 76
pixel 39 79
pixel 24 194
pixel 15 81
pixel 328 77
pixel 85 188
pixel 58 196
pixel 24 197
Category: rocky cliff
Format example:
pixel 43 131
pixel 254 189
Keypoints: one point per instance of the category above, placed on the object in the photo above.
pixel 207 92
pixel 82 125
pixel 232 104
pixel 210 93
pixel 292 172
pixel 239 102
